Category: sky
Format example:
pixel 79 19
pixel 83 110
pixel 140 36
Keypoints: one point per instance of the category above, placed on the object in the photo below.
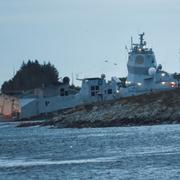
pixel 78 36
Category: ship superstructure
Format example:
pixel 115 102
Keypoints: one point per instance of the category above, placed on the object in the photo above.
pixel 144 76
pixel 143 72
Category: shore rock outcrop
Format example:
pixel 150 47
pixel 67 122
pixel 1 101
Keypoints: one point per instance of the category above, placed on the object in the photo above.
pixel 147 109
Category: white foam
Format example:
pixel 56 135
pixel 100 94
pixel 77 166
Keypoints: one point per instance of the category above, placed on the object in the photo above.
pixel 24 163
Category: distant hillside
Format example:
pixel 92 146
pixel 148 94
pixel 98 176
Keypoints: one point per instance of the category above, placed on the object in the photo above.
pixel 31 75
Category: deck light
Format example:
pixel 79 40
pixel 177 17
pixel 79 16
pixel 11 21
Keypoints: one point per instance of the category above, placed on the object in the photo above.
pixel 128 82
pixel 173 84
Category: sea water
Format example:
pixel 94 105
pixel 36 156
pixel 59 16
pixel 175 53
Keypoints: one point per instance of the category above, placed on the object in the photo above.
pixel 146 152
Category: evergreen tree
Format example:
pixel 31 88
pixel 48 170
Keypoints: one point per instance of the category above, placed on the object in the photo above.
pixel 31 75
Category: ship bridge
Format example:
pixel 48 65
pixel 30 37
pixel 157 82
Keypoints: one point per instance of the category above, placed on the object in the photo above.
pixel 143 72
pixel 140 60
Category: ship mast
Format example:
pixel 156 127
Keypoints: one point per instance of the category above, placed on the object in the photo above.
pixel 142 42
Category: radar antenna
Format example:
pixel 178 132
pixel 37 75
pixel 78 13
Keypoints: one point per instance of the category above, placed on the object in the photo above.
pixel 142 42
pixel 131 42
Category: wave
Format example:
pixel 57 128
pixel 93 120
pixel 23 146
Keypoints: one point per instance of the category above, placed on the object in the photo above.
pixel 24 163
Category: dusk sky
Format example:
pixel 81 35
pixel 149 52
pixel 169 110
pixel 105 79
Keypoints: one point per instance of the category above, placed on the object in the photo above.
pixel 77 36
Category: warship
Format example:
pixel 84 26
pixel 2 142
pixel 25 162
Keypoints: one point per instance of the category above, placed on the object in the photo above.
pixel 144 76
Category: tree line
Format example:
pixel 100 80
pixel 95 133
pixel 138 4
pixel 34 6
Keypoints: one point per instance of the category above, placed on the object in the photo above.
pixel 31 75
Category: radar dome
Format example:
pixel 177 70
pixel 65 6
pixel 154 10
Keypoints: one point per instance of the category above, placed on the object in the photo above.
pixel 159 67
pixel 103 76
pixel 152 71
pixel 66 80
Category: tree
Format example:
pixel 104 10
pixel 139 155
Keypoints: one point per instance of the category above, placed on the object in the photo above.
pixel 31 75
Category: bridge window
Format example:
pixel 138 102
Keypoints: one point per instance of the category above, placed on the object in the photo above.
pixel 94 90
pixel 62 92
pixel 66 93
pixel 109 91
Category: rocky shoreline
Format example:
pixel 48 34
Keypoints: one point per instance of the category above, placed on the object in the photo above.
pixel 148 109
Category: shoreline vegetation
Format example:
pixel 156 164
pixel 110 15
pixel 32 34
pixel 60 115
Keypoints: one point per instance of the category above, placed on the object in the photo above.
pixel 31 75
pixel 147 109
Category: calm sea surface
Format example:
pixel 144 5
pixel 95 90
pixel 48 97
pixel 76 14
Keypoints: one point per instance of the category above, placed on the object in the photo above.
pixel 151 152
